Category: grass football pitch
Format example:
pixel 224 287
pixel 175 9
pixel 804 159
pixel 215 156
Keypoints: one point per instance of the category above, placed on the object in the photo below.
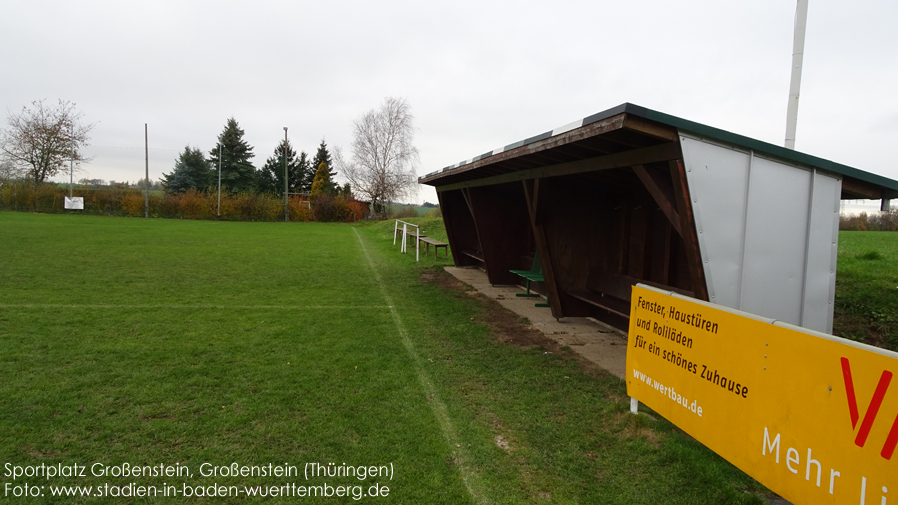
pixel 179 361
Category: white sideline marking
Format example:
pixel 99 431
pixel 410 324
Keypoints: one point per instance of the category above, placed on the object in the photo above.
pixel 182 306
pixel 436 405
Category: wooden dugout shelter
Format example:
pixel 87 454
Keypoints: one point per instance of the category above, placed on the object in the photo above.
pixel 634 195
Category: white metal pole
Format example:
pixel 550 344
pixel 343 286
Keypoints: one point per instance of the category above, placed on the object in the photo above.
pixel 72 162
pixel 395 231
pixel 418 243
pixel 146 204
pixel 404 230
pixel 801 22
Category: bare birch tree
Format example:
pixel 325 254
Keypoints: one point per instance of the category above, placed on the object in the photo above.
pixel 384 158
pixel 42 139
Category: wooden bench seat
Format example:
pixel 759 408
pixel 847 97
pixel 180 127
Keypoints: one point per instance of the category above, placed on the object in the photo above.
pixel 436 246
pixel 611 291
pixel 616 306
pixel 477 255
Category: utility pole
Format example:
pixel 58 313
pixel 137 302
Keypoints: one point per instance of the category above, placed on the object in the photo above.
pixel 219 179
pixel 801 22
pixel 286 185
pixel 146 181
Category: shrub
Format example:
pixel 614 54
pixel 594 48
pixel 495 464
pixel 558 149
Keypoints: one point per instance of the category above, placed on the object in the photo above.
pixel 194 204
pixel 356 210
pixel 300 210
pixel 405 212
pixel 239 207
pixel 246 206
pixel 133 204
pixel 327 208
pixel 168 207
pixel 882 221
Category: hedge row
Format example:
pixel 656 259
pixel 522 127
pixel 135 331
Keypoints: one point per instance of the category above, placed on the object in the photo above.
pixel 118 201
pixel 882 221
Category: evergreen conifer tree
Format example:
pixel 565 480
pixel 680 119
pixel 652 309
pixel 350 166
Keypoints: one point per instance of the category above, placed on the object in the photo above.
pixel 237 173
pixel 271 177
pixel 191 171
pixel 304 175
pixel 324 156
pixel 321 184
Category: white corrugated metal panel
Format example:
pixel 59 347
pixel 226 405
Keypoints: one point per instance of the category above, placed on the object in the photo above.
pixel 822 253
pixel 775 241
pixel 719 215
pixel 766 232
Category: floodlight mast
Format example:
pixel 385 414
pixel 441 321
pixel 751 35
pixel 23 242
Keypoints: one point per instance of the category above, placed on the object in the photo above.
pixel 286 191
pixel 801 22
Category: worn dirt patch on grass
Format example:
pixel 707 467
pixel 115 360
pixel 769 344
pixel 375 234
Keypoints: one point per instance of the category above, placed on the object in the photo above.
pixel 506 326
pixel 633 427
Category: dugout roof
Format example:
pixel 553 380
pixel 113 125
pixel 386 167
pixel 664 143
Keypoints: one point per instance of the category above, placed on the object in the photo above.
pixel 634 195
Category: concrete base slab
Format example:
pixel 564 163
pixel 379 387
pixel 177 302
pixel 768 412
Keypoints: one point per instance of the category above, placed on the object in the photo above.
pixel 600 343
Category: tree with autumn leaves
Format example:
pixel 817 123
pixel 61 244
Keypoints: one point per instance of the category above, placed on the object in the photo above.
pixel 44 140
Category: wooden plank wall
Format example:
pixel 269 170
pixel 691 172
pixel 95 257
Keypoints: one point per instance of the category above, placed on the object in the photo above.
pixel 502 225
pixel 625 221
pixel 460 227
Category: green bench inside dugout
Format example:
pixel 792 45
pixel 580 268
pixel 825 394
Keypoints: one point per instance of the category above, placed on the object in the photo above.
pixel 535 274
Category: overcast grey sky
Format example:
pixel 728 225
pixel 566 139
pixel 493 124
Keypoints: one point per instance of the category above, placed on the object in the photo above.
pixel 477 74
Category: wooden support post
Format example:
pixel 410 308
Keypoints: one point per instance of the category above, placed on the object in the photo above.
pixel 638 238
pixel 466 192
pixel 666 256
pixel 623 251
pixel 532 194
pixel 687 225
pixel 467 196
pixel 662 191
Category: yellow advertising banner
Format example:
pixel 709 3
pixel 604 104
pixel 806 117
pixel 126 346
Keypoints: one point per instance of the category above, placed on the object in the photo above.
pixel 811 416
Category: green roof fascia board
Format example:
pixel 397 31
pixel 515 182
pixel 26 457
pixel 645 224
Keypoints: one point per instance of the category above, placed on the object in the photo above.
pixel 759 146
pixel 698 129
